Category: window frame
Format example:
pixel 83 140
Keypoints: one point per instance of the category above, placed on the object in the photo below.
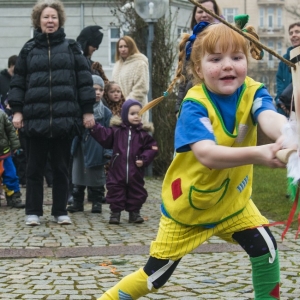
pixel 230 12
pixel 111 40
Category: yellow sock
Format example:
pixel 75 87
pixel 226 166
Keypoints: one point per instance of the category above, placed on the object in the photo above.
pixel 7 191
pixel 131 287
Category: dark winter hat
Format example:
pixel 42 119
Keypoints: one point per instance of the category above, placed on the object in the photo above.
pixel 125 108
pixel 98 80
pixel 90 36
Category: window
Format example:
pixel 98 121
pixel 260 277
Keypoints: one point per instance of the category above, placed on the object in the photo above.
pixel 229 14
pixel 261 17
pixel 181 30
pixel 279 48
pixel 114 35
pixel 270 18
pixel 270 56
pixel 279 17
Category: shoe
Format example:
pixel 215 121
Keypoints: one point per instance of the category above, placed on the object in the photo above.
pixel 103 200
pixel 114 218
pixel 70 200
pixel 75 207
pixel 63 220
pixel 134 217
pixel 15 201
pixel 96 208
pixel 32 220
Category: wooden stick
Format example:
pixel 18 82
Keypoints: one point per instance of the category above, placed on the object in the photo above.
pixel 284 154
pixel 243 34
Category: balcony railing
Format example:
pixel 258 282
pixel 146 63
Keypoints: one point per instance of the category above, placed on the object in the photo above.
pixel 276 32
pixel 270 2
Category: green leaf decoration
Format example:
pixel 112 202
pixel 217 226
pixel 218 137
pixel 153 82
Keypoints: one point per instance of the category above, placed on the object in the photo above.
pixel 241 20
pixel 292 191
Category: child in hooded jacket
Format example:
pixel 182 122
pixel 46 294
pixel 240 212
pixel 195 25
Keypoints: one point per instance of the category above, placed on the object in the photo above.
pixel 9 142
pixel 89 159
pixel 133 150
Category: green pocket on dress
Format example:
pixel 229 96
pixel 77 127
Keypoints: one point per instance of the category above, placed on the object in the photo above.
pixel 205 199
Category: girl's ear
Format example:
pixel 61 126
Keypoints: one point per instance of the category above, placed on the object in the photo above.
pixel 199 72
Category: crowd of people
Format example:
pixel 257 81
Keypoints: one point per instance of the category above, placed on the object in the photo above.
pixel 56 99
pixel 69 117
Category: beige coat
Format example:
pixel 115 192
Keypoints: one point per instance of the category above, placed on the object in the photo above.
pixel 133 77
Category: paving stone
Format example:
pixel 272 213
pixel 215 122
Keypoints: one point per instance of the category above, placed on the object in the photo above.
pixel 66 262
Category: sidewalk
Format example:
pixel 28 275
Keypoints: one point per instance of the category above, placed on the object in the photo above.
pixel 82 260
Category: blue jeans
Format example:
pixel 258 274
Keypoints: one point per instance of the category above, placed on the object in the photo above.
pixel 9 176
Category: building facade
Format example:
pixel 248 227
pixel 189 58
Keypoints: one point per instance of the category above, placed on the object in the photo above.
pixel 270 18
pixel 16 27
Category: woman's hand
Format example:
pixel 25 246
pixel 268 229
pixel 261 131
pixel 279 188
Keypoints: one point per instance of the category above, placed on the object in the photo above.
pixel 18 120
pixel 88 120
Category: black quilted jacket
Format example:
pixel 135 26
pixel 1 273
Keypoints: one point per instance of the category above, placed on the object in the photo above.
pixel 52 86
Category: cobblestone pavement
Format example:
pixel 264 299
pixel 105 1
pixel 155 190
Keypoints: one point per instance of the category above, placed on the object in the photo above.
pixel 82 260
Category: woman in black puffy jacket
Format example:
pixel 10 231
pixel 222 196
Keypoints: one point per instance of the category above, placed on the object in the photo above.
pixel 51 98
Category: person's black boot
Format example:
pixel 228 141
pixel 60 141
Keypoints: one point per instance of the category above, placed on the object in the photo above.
pixel 15 201
pixel 103 200
pixel 135 217
pixel 114 218
pixel 95 195
pixel 96 208
pixel 78 199
pixel 102 195
pixel 75 207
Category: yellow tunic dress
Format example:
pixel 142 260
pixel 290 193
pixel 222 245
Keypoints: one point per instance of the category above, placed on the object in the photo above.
pixel 199 202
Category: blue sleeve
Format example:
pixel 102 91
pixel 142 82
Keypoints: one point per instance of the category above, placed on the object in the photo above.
pixel 193 125
pixel 262 101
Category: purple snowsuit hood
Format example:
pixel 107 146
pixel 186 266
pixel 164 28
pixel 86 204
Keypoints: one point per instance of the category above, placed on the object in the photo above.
pixel 125 109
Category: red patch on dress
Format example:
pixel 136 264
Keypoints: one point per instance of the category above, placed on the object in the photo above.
pixel 176 188
pixel 275 292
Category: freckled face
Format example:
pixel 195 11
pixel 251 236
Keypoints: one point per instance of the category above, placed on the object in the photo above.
pixel 223 73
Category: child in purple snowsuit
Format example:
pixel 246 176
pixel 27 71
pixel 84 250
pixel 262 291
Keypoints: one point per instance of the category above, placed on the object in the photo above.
pixel 133 150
